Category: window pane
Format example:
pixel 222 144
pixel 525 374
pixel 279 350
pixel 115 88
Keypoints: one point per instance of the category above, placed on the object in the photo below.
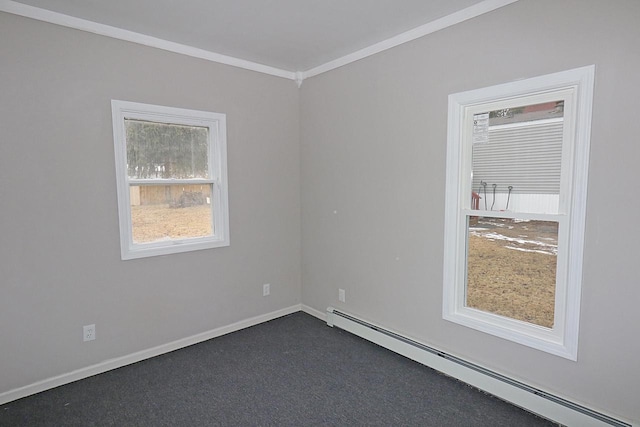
pixel 517 155
pixel 511 268
pixel 160 150
pixel 165 212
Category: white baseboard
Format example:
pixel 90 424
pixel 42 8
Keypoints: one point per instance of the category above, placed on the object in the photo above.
pixel 119 362
pixel 315 313
pixel 545 404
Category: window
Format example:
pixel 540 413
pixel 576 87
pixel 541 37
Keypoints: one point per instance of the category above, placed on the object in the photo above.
pixel 171 169
pixel 517 160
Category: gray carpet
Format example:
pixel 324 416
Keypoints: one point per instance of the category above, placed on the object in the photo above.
pixel 292 371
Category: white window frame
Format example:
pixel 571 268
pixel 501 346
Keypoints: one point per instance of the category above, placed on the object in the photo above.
pixel 576 88
pixel 217 135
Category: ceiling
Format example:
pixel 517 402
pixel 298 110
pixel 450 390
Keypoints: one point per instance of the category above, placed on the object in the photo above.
pixel 290 35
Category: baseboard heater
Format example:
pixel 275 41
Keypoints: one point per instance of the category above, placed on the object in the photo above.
pixel 520 394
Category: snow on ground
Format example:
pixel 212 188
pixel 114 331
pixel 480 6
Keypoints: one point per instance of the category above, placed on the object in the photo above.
pixel 533 241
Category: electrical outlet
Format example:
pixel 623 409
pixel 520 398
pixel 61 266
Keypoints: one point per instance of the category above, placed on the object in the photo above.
pixel 89 332
pixel 341 295
pixel 266 289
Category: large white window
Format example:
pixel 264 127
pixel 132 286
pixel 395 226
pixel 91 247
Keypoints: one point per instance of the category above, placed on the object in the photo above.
pixel 517 161
pixel 171 168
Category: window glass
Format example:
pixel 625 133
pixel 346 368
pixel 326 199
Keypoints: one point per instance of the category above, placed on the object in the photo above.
pixel 161 150
pixel 516 167
pixel 165 212
pixel 511 268
pixel 517 158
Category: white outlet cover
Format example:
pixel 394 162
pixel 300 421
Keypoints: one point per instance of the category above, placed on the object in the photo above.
pixel 341 295
pixel 266 289
pixel 89 332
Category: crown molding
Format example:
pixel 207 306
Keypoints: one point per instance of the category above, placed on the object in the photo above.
pixel 421 31
pixel 44 15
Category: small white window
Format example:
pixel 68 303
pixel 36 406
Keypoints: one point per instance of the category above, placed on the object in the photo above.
pixel 171 169
pixel 517 161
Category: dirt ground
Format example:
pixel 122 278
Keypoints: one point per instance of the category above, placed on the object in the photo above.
pixel 157 222
pixel 512 269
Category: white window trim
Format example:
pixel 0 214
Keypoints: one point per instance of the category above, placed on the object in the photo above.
pixel 216 122
pixel 562 339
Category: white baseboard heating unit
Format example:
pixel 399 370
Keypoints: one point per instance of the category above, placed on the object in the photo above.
pixel 530 398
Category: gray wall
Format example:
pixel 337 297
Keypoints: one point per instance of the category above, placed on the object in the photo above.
pixel 373 140
pixel 60 264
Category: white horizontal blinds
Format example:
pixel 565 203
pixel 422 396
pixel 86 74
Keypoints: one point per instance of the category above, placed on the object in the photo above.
pixel 526 156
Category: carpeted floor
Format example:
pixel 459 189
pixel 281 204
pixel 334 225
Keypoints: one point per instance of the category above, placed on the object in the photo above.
pixel 292 371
